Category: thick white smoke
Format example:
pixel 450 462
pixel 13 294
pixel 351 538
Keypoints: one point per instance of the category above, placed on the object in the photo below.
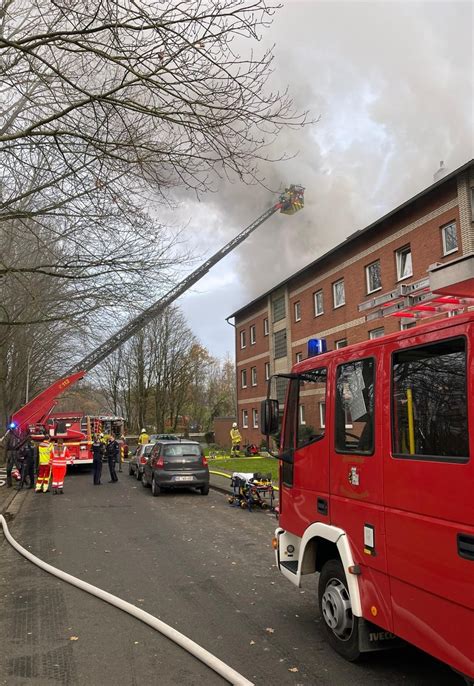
pixel 392 85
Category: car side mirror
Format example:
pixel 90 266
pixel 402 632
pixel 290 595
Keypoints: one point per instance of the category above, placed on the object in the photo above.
pixel 269 417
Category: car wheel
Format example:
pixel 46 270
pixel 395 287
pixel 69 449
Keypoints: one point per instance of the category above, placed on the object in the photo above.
pixel 204 489
pixel 155 489
pixel 138 474
pixel 130 470
pixel 342 628
pixel 144 481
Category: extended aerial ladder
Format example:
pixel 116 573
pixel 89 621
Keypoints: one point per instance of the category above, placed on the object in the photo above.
pixel 289 202
pixel 448 287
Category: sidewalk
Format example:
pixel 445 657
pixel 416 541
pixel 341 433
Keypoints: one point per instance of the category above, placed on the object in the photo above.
pixel 218 482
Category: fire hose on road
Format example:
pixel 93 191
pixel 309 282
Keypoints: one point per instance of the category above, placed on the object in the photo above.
pixel 180 639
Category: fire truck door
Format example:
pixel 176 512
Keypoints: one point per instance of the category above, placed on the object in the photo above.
pixel 304 496
pixel 429 478
pixel 356 475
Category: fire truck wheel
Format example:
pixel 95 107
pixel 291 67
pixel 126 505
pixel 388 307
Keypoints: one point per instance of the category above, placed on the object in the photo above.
pixel 155 489
pixel 342 628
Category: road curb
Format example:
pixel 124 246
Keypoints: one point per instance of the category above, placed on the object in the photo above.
pixel 8 506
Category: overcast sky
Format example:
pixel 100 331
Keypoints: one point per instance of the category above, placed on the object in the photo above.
pixel 392 85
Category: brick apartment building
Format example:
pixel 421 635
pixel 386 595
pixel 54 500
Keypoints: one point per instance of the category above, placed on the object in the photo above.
pixel 323 298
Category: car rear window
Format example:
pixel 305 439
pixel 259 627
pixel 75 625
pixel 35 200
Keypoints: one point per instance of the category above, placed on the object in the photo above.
pixel 181 450
pixel 148 449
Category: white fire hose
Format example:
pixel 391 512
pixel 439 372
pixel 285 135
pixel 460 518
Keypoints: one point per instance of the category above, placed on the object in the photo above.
pixel 206 657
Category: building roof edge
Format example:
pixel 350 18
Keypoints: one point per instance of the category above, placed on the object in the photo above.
pixel 360 232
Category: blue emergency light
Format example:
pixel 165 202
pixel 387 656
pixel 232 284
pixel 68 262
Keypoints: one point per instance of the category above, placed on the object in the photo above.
pixel 12 425
pixel 316 346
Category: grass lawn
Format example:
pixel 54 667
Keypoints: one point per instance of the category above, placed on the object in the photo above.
pixel 246 464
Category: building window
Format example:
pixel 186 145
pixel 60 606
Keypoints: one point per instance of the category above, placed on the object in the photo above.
pixel 280 343
pixel 278 308
pixel 267 371
pixel 450 238
pixel 408 324
pixel 255 418
pixel 298 357
pixel 339 294
pixel 253 376
pixel 242 340
pixel 318 304
pixel 253 335
pixel 373 275
pixel 265 327
pixel 297 311
pixel 243 378
pixel 404 264
pixel 301 411
pixel 322 415
pixel 245 419
pixel 377 333
pixel 341 343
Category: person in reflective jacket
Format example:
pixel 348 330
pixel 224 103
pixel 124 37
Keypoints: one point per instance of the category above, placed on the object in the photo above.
pixel 143 438
pixel 236 439
pixel 60 458
pixel 44 465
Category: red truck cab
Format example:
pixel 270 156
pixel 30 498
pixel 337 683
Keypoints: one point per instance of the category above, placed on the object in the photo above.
pixel 376 489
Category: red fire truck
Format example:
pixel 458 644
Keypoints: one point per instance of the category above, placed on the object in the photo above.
pixel 76 430
pixel 379 496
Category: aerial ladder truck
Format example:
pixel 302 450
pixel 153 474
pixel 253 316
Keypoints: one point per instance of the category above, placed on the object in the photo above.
pixel 36 412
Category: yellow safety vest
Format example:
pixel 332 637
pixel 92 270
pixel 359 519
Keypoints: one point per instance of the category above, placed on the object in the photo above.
pixel 44 450
pixel 143 439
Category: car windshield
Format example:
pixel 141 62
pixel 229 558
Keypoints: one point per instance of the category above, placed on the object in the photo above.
pixel 181 450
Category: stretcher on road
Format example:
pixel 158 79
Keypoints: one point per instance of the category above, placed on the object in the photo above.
pixel 252 489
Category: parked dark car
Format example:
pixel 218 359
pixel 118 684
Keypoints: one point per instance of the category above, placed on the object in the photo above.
pixel 176 464
pixel 137 462
pixel 163 437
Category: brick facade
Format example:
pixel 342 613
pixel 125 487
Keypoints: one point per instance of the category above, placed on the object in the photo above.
pixel 417 226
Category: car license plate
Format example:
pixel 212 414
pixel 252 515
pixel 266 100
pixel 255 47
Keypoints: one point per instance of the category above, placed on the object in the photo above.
pixel 183 478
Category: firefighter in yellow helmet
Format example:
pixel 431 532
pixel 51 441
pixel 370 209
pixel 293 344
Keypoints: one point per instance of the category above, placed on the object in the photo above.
pixel 236 440
pixel 143 438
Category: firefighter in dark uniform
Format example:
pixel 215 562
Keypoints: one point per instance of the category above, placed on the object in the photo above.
pixel 12 445
pixel 27 453
pixel 98 451
pixel 112 452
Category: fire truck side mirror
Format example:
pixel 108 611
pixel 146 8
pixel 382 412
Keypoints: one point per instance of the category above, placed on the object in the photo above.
pixel 269 415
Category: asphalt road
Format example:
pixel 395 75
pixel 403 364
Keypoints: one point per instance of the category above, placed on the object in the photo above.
pixel 202 566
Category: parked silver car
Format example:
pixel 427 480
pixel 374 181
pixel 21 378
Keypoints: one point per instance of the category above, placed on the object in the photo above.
pixel 138 460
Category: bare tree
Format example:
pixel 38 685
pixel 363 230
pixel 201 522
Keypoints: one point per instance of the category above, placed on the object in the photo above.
pixel 103 107
pixel 137 91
